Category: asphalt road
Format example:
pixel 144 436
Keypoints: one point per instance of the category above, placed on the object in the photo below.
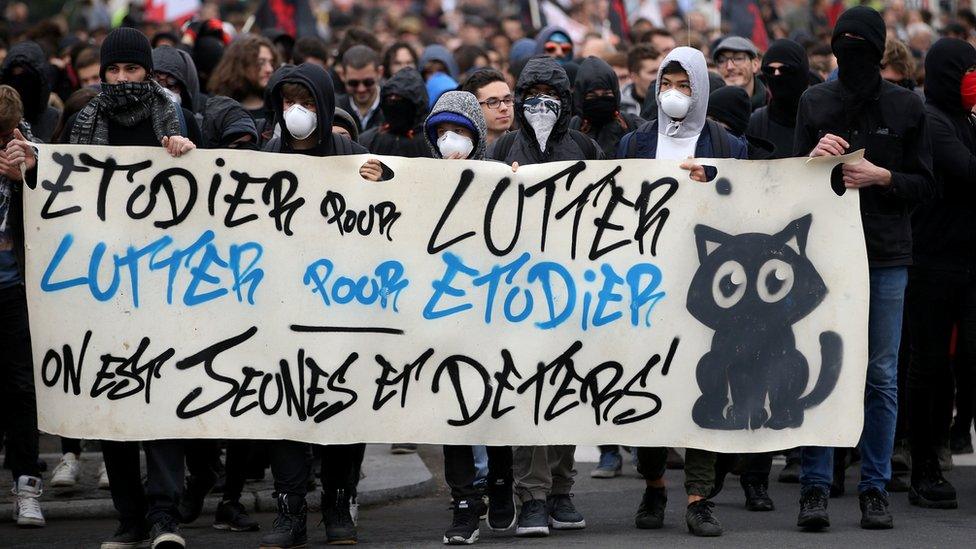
pixel 608 506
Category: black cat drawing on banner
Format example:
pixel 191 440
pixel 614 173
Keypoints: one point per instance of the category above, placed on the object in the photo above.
pixel 751 288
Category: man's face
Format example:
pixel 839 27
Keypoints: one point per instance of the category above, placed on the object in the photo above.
pixel 676 81
pixel 623 75
pixel 168 81
pixel 496 103
pixel 401 59
pixel 88 76
pixel 124 72
pixel 663 44
pixel 645 75
pixel 737 68
pixel 363 84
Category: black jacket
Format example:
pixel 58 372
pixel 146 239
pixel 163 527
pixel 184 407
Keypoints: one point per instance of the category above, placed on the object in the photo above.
pixel 225 121
pixel 595 74
pixel 319 83
pixel 893 131
pixel 34 87
pixel 522 146
pixel 944 229
pixel 780 136
pixel 408 84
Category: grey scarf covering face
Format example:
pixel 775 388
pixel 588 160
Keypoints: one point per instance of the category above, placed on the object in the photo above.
pixel 127 104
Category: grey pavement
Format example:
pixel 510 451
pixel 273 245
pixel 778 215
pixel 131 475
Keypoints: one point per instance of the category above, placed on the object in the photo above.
pixel 608 506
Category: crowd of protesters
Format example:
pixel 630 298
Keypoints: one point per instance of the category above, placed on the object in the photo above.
pixel 478 82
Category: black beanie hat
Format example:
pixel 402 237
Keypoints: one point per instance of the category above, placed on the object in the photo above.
pixel 126 45
pixel 730 106
pixel 864 22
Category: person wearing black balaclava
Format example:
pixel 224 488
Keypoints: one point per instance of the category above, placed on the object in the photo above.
pixel 403 101
pixel 731 107
pixel 941 283
pixel 862 111
pixel 25 69
pixel 596 97
pixel 786 69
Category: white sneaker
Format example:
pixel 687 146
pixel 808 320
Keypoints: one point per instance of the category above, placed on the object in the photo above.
pixel 354 510
pixel 27 508
pixel 66 473
pixel 103 477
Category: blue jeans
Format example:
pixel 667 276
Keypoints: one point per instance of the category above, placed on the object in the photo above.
pixel 880 392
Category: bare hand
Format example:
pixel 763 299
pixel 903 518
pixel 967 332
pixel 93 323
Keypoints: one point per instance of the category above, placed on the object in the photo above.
pixel 8 169
pixel 454 156
pixel 515 167
pixel 177 145
pixel 19 155
pixel 372 170
pixel 830 145
pixel 863 173
pixel 697 171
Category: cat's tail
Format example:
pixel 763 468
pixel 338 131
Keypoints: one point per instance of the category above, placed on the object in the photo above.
pixel 831 358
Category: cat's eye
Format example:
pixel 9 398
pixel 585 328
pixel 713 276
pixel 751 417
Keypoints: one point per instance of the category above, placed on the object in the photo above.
pixel 775 280
pixel 729 284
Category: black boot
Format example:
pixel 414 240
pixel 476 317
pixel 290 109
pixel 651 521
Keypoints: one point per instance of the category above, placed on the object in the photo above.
pixel 289 530
pixel 930 489
pixel 757 494
pixel 650 514
pixel 339 527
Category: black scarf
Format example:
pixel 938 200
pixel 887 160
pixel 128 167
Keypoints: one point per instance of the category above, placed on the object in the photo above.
pixel 787 87
pixel 127 104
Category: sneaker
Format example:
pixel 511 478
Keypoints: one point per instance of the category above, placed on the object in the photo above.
pixel 931 490
pixel 650 513
pixel 354 510
pixel 27 507
pixel 533 519
pixel 501 507
pixel 901 457
pixel 129 535
pixel 757 496
pixel 701 521
pixel 232 516
pixel 813 509
pixel 66 473
pixel 791 472
pixel 191 504
pixel 166 534
pixel 563 514
pixel 874 510
pixel 399 449
pixel 611 465
pixel 464 526
pixel 339 527
pixel 961 444
pixel 289 529
pixel 103 483
pixel 945 458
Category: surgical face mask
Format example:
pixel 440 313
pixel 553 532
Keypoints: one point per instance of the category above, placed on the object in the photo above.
pixel 300 121
pixel 674 104
pixel 542 113
pixel 450 143
pixel 175 97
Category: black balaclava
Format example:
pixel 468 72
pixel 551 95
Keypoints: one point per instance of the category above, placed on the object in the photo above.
pixel 946 64
pixel 730 106
pixel 789 85
pixel 859 60
pixel 399 113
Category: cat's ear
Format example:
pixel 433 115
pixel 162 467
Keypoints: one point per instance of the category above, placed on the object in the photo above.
pixel 795 234
pixel 708 239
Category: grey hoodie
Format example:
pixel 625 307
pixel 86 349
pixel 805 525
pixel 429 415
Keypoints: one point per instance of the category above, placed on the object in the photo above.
pixel 693 62
pixel 180 66
pixel 462 104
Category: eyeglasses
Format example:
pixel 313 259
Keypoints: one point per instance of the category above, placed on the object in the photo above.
pixel 558 47
pixel 738 59
pixel 165 80
pixel 366 83
pixel 494 102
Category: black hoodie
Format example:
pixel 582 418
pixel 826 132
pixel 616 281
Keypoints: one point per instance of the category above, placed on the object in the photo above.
pixel 564 143
pixel 409 85
pixel 319 83
pixel 944 229
pixel 776 122
pixel 595 74
pixel 33 86
pixel 224 122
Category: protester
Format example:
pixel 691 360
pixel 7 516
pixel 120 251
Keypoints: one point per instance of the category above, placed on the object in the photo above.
pixel 491 90
pixel 398 56
pixel 543 106
pixel 86 67
pixel 596 98
pixel 861 110
pixel 361 72
pixel 786 69
pixel 25 70
pixel 403 101
pixel 681 132
pixel 737 60
pixel 243 73
pixel 437 59
pixel 175 71
pixel 643 62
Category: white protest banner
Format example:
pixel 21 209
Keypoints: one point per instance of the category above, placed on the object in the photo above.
pixel 236 294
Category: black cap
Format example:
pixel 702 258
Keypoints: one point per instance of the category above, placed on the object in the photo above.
pixel 126 45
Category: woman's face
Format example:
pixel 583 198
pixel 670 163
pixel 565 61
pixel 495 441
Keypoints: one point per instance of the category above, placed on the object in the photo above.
pixel 401 59
pixel 265 66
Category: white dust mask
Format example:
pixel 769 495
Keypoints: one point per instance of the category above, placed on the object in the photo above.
pixel 451 142
pixel 300 121
pixel 674 104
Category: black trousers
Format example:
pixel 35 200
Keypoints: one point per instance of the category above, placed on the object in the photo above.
pixel 936 300
pixel 17 401
pixel 125 480
pixel 160 496
pixel 699 468
pixel 202 459
pixel 291 466
pixel 460 472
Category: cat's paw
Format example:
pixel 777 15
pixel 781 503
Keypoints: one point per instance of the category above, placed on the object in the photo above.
pixel 785 421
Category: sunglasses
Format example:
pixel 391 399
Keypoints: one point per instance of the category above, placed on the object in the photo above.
pixel 558 47
pixel 355 84
pixel 777 71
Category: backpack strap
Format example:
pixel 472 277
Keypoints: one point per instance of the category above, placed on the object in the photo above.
pixel 590 150
pixel 503 146
pixel 720 144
